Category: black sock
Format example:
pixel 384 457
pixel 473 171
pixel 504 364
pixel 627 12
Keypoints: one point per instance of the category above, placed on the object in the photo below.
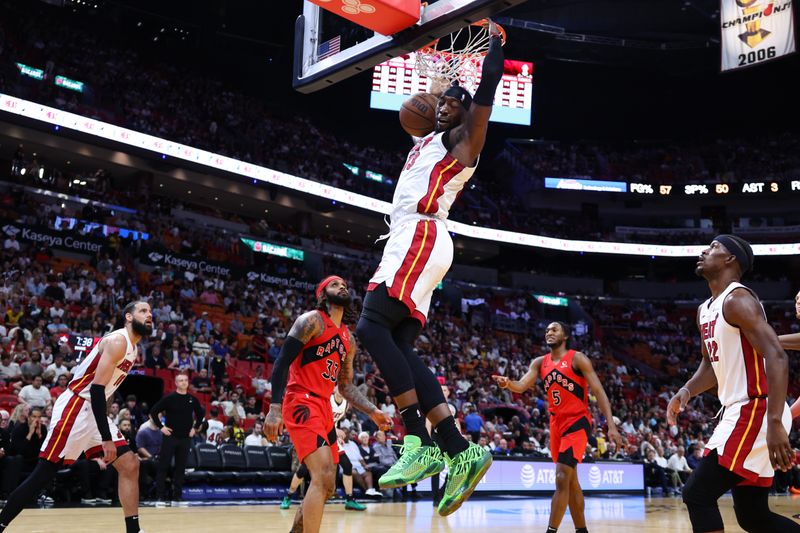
pixel 551 529
pixel 132 524
pixel 454 443
pixel 415 423
pixel 349 497
pixel 581 530
pixel 27 491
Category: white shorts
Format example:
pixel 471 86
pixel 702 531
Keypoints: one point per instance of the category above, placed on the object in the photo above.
pixel 740 439
pixel 417 256
pixel 73 431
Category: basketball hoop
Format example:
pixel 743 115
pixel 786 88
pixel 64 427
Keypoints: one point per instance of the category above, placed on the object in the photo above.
pixel 457 56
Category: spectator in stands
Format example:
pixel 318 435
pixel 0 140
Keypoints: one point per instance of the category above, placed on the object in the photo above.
pixel 232 433
pixel 201 382
pixel 384 453
pixel 232 407
pixel 58 367
pixel 137 413
pixel 654 474
pixel 259 382
pixel 258 342
pixel 252 410
pixel 502 448
pixel 27 439
pixel 696 457
pixel 35 394
pixel 677 463
pixel 473 424
pixel 256 437
pixel 32 367
pixel 60 386
pixel 611 452
pixel 236 326
pixel 10 371
pixel 200 351
pixel 203 321
pixel 155 358
pixel 361 476
pixel 183 361
pixel 388 407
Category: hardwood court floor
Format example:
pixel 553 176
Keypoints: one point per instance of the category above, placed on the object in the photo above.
pixel 620 514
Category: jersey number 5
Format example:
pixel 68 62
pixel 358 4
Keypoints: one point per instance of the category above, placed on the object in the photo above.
pixel 556 397
pixel 333 370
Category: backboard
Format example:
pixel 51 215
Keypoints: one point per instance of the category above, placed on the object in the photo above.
pixel 329 49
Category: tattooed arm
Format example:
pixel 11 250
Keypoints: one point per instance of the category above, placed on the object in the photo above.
pixel 351 393
pixel 306 327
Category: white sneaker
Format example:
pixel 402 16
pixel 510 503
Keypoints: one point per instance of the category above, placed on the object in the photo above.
pixel 373 492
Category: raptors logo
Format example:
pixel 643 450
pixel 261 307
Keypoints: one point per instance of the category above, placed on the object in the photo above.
pixel 301 414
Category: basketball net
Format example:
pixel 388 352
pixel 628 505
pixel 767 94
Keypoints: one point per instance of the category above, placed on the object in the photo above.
pixel 457 56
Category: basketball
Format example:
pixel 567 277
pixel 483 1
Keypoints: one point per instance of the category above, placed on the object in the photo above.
pixel 418 114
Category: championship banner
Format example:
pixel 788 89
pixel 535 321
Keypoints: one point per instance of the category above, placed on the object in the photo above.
pixel 754 31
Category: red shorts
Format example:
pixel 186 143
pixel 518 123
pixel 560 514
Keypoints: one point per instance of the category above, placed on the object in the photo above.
pixel 309 420
pixel 568 444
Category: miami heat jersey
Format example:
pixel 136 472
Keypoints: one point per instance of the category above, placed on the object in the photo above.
pixel 317 367
pixel 431 180
pixel 85 372
pixel 566 390
pixel 739 368
pixel 339 409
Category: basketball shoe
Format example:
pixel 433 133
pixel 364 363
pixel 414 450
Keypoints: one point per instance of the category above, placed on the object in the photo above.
pixel 352 505
pixel 416 463
pixel 465 470
pixel 287 502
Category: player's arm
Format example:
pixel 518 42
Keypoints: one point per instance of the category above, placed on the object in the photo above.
pixel 306 327
pixel 582 363
pixel 702 380
pixel 112 352
pixel 468 139
pixel 790 342
pixel 741 309
pixel 350 392
pixel 525 382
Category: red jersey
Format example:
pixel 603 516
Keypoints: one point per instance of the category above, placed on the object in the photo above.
pixel 317 367
pixel 566 389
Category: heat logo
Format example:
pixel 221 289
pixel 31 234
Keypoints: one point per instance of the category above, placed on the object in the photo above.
pixel 751 16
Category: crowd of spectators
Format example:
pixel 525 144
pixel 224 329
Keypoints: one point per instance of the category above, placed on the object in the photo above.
pixel 128 87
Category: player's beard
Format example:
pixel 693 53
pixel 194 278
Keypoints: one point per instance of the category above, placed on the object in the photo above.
pixel 338 299
pixel 555 344
pixel 140 328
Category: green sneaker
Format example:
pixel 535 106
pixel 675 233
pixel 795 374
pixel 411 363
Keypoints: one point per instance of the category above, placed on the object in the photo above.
pixel 416 463
pixel 465 470
pixel 287 502
pixel 352 505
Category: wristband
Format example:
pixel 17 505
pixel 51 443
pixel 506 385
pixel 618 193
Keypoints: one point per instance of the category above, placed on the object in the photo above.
pixel 687 391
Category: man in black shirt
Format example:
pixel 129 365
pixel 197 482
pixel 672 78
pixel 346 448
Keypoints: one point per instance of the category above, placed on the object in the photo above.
pixel 178 430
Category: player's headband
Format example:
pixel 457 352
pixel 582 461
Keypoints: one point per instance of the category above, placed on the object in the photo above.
pixel 740 248
pixel 460 94
pixel 324 283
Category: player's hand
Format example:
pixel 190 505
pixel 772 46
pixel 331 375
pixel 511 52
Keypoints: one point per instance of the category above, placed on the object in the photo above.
pixel 273 424
pixel 502 381
pixel 613 434
pixel 676 405
pixel 493 31
pixel 102 464
pixel 192 433
pixel 381 419
pixel 166 431
pixel 109 452
pixel 781 454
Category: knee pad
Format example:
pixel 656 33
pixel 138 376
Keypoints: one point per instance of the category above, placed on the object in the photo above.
pixel 347 466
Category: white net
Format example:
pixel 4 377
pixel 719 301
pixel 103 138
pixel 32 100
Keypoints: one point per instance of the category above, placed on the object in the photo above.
pixel 457 56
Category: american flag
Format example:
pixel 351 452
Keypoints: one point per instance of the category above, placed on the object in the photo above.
pixel 328 48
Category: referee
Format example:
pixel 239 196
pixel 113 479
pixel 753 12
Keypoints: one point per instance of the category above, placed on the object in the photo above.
pixel 178 430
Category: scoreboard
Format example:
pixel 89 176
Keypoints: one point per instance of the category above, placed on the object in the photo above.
pixel 393 81
pixel 742 188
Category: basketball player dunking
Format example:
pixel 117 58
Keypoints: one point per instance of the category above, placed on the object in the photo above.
pixel 743 358
pixel 417 256
pixel 792 342
pixel 318 353
pixel 80 423
pixel 566 375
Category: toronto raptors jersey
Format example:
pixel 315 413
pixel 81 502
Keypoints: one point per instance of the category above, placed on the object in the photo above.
pixel 339 409
pixel 566 390
pixel 739 368
pixel 431 180
pixel 84 373
pixel 317 367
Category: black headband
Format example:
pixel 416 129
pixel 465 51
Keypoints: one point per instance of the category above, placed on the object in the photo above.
pixel 740 248
pixel 460 94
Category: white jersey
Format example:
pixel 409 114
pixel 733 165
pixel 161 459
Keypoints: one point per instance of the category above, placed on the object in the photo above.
pixel 430 182
pixel 339 409
pixel 739 368
pixel 215 428
pixel 84 373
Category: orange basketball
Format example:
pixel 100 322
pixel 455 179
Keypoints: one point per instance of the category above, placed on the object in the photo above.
pixel 418 114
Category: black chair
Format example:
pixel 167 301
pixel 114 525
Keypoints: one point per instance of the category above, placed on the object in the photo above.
pixel 280 462
pixel 194 474
pixel 258 463
pixel 210 460
pixel 234 461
